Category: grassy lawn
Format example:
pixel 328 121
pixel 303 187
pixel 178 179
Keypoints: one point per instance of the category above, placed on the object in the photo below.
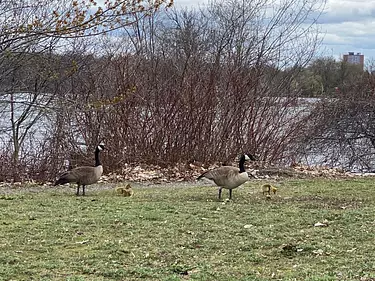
pixel 185 233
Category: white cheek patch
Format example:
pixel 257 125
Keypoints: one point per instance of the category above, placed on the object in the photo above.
pixel 100 148
pixel 247 157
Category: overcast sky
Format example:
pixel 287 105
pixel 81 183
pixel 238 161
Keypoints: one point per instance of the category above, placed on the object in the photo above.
pixel 347 26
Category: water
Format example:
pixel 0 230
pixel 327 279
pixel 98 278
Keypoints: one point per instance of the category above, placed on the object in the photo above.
pixel 29 118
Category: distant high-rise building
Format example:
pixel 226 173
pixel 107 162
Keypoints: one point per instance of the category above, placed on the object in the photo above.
pixel 357 59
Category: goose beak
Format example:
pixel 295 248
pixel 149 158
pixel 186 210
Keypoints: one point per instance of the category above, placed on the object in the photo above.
pixel 251 157
pixel 251 176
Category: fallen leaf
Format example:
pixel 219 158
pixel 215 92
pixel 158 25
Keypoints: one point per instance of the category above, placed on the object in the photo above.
pixel 82 242
pixel 320 224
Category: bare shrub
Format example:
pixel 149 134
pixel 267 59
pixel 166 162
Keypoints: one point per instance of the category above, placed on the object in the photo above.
pixel 182 86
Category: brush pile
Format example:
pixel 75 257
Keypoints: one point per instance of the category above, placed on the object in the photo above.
pixel 183 172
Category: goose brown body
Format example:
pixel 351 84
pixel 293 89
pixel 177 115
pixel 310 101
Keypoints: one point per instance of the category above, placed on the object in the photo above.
pixel 229 177
pixel 83 175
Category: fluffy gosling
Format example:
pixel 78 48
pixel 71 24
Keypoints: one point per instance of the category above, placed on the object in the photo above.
pixel 125 191
pixel 267 188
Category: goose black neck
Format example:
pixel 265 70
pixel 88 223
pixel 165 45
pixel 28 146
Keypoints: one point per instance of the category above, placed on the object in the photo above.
pixel 241 165
pixel 97 159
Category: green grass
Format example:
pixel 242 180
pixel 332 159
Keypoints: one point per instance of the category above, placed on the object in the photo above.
pixel 185 233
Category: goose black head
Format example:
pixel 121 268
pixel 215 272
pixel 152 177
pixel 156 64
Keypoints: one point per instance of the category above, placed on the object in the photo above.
pixel 100 147
pixel 249 156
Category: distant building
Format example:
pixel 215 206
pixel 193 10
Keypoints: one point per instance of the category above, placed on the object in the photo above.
pixel 357 59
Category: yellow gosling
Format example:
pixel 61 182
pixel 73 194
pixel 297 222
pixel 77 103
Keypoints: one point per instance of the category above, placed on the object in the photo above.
pixel 126 191
pixel 267 188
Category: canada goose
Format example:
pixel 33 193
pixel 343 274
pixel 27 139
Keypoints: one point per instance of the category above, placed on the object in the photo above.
pixel 84 175
pixel 229 177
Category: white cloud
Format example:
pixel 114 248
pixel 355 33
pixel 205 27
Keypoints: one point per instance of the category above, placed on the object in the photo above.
pixel 350 29
pixel 349 25
pixel 347 11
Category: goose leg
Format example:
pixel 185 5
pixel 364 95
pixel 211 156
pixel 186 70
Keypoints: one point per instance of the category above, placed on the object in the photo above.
pixel 83 187
pixel 230 193
pixel 77 190
pixel 220 188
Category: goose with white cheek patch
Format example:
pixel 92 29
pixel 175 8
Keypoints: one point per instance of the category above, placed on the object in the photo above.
pixel 84 175
pixel 229 177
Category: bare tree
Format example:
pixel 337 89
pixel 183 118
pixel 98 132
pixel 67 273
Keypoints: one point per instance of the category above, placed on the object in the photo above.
pixel 31 32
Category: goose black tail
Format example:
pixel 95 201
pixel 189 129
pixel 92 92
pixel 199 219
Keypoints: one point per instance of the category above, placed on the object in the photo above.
pixel 201 176
pixel 61 181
